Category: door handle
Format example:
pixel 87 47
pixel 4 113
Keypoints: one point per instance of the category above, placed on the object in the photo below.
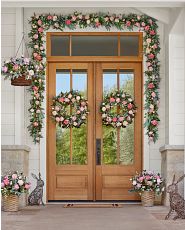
pixel 98 151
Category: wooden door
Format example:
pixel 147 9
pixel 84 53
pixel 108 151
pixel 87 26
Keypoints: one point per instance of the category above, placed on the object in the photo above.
pixel 74 171
pixel 121 148
pixel 70 151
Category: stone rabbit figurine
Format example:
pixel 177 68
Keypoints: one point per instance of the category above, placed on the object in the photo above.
pixel 177 203
pixel 35 197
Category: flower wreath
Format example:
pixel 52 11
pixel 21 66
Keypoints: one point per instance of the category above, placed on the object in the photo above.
pixel 126 105
pixel 151 45
pixel 60 115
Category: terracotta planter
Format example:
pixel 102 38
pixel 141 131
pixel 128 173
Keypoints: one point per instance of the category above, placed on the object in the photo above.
pixel 147 198
pixel 21 81
pixel 10 203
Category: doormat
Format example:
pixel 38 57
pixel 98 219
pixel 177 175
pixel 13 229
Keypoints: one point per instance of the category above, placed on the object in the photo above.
pixel 93 205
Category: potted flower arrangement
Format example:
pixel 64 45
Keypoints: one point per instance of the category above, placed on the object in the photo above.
pixel 12 186
pixel 19 70
pixel 147 184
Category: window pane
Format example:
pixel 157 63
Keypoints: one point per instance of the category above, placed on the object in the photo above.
pixel 129 45
pixel 127 81
pixel 94 46
pixel 80 81
pixel 109 81
pixel 59 45
pixel 62 145
pixel 62 81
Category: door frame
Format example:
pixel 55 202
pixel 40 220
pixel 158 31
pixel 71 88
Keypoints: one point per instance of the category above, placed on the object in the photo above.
pixel 91 59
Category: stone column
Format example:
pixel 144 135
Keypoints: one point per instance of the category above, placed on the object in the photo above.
pixel 172 162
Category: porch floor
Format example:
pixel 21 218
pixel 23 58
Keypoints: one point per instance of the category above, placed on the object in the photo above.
pixel 54 216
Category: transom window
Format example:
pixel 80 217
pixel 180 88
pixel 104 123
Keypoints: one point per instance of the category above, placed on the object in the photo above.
pixel 95 44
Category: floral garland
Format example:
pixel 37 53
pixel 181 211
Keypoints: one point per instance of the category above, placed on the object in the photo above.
pixel 126 105
pixel 144 23
pixel 78 103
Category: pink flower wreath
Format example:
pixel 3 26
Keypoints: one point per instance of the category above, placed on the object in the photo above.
pixel 127 109
pixel 60 114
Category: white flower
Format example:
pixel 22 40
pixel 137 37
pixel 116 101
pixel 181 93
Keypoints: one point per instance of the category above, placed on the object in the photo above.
pixel 123 95
pixel 125 123
pixel 75 124
pixel 148 50
pixel 130 112
pixel 104 115
pixel 134 182
pixel 116 20
pixel 96 20
pixel 37 102
pixel 148 40
pixel 70 95
pixel 20 182
pixel 31 72
pixel 38 111
pixel 78 98
pixel 88 22
pixel 151 106
pixel 103 109
pixel 55 18
pixel 31 110
pixel 83 117
pixel 118 124
pixel 80 16
pixel 54 113
pixel 87 16
pixel 61 118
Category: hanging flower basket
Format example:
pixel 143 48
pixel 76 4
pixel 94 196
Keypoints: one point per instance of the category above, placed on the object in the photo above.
pixel 20 71
pixel 10 203
pixel 21 81
pixel 147 198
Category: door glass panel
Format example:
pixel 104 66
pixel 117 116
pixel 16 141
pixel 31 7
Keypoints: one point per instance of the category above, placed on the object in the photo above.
pixel 118 143
pixel 129 45
pixel 127 134
pixel 71 143
pixel 94 45
pixel 59 45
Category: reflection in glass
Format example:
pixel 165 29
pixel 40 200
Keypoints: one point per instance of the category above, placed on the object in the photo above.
pixel 109 145
pixel 59 45
pixel 109 81
pixel 127 81
pixel 62 81
pixel 129 45
pixel 80 81
pixel 79 140
pixel 62 146
pixel 94 45
pixel 127 145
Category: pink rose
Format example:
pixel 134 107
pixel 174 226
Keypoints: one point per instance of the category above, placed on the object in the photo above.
pixel 128 23
pixel 152 32
pixel 130 106
pixel 35 36
pixel 118 100
pixel 68 22
pixel 35 88
pixel 49 17
pixel 151 138
pixel 147 177
pixel 121 118
pixel 148 64
pixel 124 102
pixel 114 119
pixel 153 94
pixel 39 22
pixel 4 69
pixel 151 56
pixel 66 122
pixel 154 46
pixel 78 112
pixel 2 185
pixel 154 122
pixel 83 103
pixel 61 99
pixel 143 24
pixel 6 181
pixel 15 67
pixel 57 119
pixel 14 176
pixel 40 29
pixel 147 28
pixel 137 24
pixel 140 179
pixel 151 85
pixel 35 124
pixel 150 68
pixel 97 24
pixel 150 21
pixel 38 57
pixel 112 99
pixel 27 186
pixel 74 118
pixel 16 186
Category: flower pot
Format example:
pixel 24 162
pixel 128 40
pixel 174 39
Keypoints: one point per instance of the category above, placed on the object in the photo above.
pixel 22 200
pixel 21 81
pixel 10 203
pixel 147 198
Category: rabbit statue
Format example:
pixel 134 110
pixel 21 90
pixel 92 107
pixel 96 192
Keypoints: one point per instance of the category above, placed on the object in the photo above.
pixel 177 203
pixel 35 197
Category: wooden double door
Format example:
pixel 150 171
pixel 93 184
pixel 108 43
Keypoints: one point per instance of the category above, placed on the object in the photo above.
pixel 93 162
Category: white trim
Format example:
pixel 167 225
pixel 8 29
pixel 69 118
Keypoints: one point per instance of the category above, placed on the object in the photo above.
pixel 19 91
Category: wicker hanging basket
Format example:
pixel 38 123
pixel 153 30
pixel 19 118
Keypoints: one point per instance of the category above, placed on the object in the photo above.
pixel 21 81
pixel 10 203
pixel 147 198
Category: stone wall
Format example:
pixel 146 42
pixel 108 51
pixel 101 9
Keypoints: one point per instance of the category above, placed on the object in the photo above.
pixel 15 158
pixel 172 163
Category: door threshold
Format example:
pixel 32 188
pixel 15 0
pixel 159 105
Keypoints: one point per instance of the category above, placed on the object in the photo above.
pixel 93 202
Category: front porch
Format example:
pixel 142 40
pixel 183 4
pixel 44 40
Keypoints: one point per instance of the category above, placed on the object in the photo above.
pixel 54 216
